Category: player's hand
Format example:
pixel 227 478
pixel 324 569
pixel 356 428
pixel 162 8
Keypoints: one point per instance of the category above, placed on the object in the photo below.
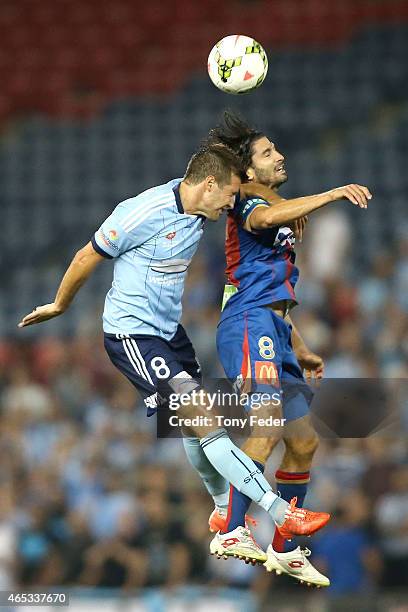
pixel 41 313
pixel 298 227
pixel 356 194
pixel 311 364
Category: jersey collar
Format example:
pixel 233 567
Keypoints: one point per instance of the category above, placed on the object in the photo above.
pixel 176 191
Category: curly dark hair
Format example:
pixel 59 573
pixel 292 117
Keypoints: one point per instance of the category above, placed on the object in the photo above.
pixel 237 134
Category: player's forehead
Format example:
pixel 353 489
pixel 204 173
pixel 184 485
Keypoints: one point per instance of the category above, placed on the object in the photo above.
pixel 262 144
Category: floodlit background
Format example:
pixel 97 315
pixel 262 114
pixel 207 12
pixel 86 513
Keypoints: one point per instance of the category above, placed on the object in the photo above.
pixel 98 101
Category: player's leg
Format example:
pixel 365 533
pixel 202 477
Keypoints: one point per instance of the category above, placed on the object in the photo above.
pixel 292 479
pixel 152 363
pixel 241 349
pixel 233 339
pixel 242 473
pixel 148 363
pixel 293 474
pixel 215 484
pixel 155 366
pixel 227 458
pixel 236 522
pixel 301 441
pixel 230 505
pixel 258 449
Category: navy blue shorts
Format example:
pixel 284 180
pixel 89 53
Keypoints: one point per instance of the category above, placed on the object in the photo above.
pixel 153 364
pixel 256 352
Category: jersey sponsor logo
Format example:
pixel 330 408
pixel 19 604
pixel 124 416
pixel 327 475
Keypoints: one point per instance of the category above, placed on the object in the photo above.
pixel 113 235
pixel 170 266
pixel 171 235
pixel 165 282
pixel 285 239
pixel 266 373
pixel 108 241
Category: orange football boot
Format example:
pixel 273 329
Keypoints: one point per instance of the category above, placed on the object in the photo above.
pixel 301 522
pixel 217 521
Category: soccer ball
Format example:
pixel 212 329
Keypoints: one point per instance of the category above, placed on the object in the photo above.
pixel 237 64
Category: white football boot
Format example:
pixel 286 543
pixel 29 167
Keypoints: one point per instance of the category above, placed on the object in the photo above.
pixel 238 543
pixel 296 564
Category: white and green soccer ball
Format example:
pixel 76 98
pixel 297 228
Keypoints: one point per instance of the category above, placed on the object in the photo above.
pixel 237 64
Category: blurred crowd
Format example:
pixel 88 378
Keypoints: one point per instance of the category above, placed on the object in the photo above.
pixel 89 496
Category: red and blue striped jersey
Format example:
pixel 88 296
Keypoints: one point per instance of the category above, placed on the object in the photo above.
pixel 260 265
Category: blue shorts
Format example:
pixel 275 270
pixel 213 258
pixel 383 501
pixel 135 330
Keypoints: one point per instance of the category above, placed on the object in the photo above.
pixel 151 362
pixel 256 352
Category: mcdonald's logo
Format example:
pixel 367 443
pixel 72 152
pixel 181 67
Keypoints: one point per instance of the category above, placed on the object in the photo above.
pixel 266 373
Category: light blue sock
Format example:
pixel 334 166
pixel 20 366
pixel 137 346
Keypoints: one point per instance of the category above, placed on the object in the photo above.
pixel 242 473
pixel 216 484
pixel 238 506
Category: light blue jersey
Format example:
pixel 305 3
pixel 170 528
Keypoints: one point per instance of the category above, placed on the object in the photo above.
pixel 152 241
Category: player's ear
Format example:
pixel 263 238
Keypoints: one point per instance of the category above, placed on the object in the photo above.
pixel 210 182
pixel 250 174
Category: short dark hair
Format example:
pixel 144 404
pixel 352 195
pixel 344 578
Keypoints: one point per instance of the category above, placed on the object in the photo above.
pixel 215 160
pixel 235 133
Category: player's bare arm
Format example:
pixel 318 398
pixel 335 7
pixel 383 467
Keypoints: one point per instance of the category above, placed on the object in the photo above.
pixel 311 363
pixel 81 267
pixel 297 226
pixel 286 211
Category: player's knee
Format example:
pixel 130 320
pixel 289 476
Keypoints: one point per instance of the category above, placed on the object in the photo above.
pixel 259 449
pixel 311 444
pixel 302 449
